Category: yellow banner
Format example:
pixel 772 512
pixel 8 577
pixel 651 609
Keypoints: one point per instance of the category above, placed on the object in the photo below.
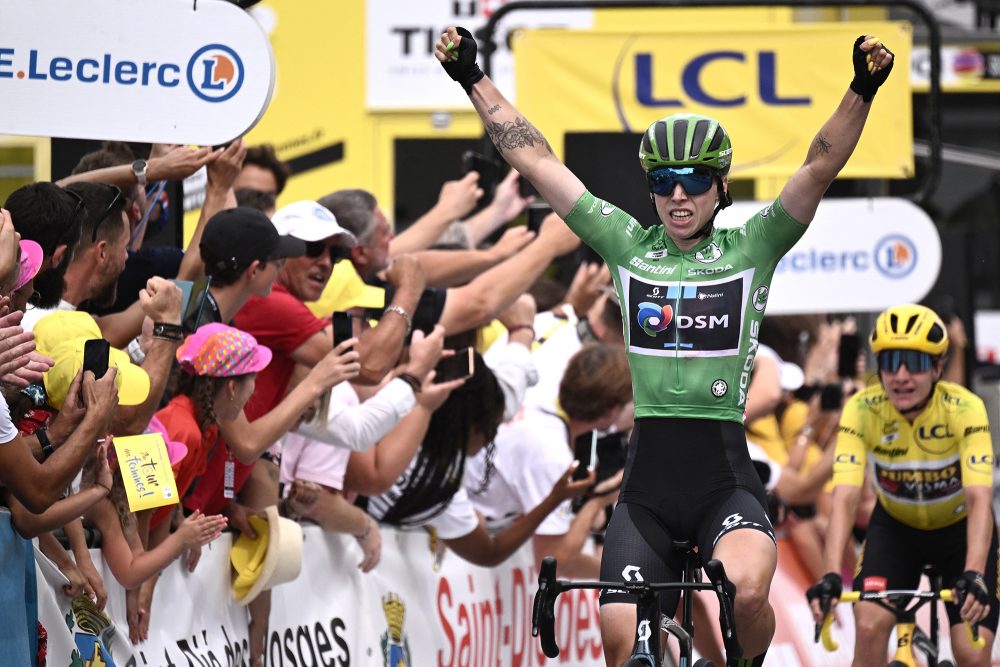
pixel 771 87
pixel 146 472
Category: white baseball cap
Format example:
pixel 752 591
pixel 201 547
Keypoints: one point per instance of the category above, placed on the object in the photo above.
pixel 310 221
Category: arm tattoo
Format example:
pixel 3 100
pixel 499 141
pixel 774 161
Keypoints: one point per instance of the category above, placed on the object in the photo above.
pixel 519 133
pixel 493 109
pixel 821 144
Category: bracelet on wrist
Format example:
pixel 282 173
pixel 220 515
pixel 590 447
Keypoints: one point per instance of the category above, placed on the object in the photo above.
pixel 399 310
pixel 167 331
pixel 43 439
pixel 511 330
pixel 411 380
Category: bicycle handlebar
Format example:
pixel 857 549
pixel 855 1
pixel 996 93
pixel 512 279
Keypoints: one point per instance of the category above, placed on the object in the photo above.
pixel 549 588
pixel 823 628
pixel 543 612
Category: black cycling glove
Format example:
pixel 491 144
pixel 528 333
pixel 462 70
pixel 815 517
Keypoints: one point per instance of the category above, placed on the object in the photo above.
pixel 972 583
pixel 865 83
pixel 829 587
pixel 461 66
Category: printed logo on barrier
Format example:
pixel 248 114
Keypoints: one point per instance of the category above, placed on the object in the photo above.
pixel 895 256
pixel 874 584
pixel 395 645
pixel 215 73
pixel 93 632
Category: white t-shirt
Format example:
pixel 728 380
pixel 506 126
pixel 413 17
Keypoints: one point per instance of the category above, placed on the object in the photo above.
pixel 532 453
pixel 556 343
pixel 7 429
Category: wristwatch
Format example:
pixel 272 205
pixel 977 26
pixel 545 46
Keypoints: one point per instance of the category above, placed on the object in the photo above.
pixel 139 169
pixel 43 439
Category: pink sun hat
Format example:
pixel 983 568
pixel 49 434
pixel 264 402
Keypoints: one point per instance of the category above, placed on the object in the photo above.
pixel 218 350
pixel 31 261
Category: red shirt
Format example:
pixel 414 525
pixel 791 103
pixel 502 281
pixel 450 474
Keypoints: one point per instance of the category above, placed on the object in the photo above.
pixel 178 417
pixel 282 323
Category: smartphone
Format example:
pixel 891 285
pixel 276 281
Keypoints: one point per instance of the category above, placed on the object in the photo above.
pixel 490 171
pixel 195 309
pixel 186 286
pixel 96 356
pixel 343 327
pixel 831 397
pixel 847 361
pixel 585 451
pixel 460 366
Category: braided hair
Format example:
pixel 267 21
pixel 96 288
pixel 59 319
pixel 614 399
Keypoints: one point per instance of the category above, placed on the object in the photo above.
pixel 436 475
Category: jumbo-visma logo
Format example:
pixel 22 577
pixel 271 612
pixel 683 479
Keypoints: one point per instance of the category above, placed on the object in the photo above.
pixel 653 319
pixel 214 73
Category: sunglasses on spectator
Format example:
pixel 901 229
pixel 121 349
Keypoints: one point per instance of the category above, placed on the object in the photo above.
pixel 694 180
pixel 116 197
pixel 891 361
pixel 77 209
pixel 315 249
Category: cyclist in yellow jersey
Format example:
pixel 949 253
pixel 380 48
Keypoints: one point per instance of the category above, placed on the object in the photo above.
pixel 927 445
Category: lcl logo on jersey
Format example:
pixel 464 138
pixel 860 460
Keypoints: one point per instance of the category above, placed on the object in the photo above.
pixel 934 439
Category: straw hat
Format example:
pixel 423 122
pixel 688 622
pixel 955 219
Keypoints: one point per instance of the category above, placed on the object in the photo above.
pixel 274 558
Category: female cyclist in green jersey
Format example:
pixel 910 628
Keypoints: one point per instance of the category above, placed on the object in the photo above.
pixel 692 297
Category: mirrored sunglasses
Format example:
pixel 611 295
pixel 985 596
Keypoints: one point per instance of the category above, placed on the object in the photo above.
pixel 891 361
pixel 694 180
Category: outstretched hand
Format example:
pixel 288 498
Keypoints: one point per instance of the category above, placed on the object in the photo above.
pixel 457 54
pixel 872 64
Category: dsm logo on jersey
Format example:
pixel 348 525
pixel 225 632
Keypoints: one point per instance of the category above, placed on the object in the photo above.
pixel 215 73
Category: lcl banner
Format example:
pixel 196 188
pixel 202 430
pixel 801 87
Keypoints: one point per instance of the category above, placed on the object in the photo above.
pixel 169 71
pixel 771 87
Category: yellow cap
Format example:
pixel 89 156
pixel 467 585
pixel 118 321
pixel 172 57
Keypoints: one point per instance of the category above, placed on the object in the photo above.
pixel 132 381
pixel 61 326
pixel 346 290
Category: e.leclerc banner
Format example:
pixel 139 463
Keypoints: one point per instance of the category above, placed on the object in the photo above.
pixel 858 255
pixel 170 71
pixel 771 87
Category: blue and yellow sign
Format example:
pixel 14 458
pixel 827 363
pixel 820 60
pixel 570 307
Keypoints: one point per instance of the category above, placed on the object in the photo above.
pixel 772 87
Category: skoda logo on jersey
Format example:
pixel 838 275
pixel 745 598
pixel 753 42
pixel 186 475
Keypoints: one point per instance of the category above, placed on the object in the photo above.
pixel 215 73
pixel 760 298
pixel 709 254
pixel 719 388
pixel 653 319
pixel 606 209
pixel 895 256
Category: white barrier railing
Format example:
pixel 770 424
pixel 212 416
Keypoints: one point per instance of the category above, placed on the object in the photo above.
pixel 403 613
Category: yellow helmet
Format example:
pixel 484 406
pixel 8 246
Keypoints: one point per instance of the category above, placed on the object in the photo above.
pixel 910 327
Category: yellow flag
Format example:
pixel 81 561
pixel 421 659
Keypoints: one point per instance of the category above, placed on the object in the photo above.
pixel 145 468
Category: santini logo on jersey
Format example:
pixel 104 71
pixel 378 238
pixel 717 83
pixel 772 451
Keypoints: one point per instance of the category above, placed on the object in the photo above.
pixel 652 268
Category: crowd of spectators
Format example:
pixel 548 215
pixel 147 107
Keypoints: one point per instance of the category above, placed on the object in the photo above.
pixel 264 410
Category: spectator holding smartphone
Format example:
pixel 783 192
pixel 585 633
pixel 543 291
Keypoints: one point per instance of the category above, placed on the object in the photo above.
pixel 530 454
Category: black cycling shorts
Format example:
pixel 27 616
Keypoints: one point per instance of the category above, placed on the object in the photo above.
pixel 894 554
pixel 685 479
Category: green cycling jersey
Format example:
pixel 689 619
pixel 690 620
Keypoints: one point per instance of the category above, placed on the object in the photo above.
pixel 691 319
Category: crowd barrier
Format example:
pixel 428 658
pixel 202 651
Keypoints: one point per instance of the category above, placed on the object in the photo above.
pixel 408 612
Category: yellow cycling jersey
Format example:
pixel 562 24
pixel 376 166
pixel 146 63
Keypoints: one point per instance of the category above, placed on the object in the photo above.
pixel 919 469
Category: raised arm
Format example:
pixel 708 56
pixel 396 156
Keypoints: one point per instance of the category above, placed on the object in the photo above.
pixel 836 140
pixel 519 142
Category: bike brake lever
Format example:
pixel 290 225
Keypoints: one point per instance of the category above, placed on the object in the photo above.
pixel 543 612
pixel 725 590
